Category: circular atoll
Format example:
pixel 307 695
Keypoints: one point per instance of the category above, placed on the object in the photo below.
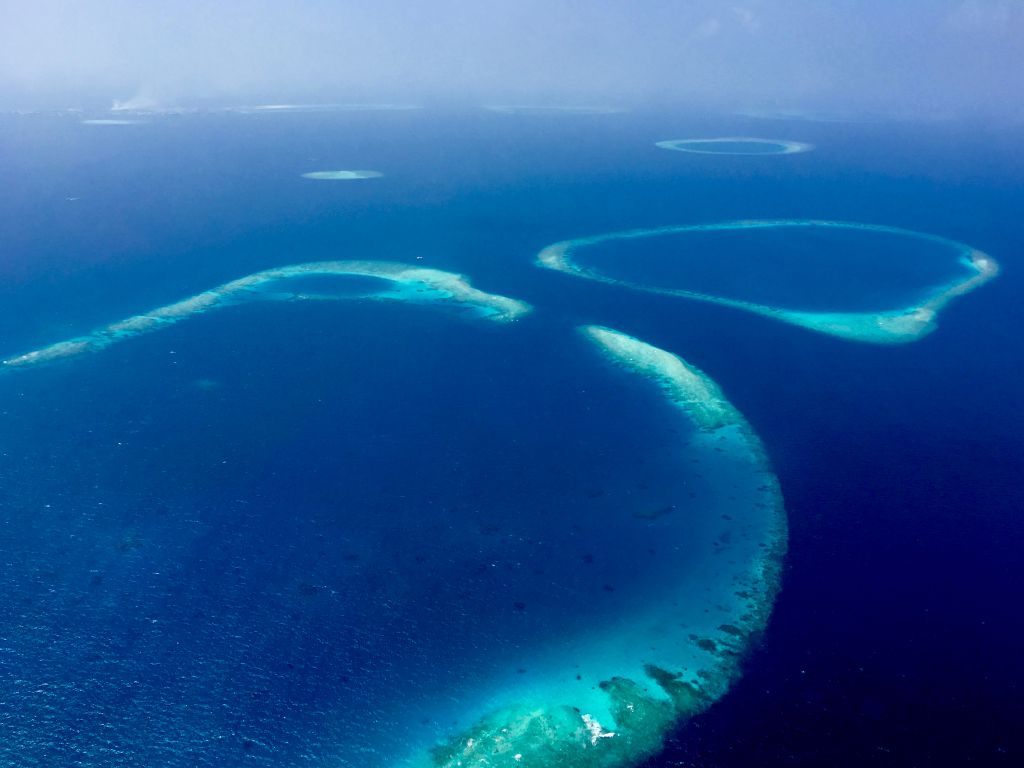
pixel 342 175
pixel 880 326
pixel 736 145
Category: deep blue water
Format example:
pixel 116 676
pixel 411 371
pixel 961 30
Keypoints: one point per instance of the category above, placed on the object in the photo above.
pixel 271 514
pixel 176 479
pixel 838 268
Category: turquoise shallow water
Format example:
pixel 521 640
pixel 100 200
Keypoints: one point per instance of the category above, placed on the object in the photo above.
pixel 349 287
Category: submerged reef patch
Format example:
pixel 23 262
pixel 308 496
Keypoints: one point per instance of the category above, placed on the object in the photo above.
pixel 672 657
pixel 736 145
pixel 401 283
pixel 893 326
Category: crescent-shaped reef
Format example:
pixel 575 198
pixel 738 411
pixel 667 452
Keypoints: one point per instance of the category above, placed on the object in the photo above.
pixel 634 682
pixel 402 283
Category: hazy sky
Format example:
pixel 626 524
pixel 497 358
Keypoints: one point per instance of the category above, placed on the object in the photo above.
pixel 906 56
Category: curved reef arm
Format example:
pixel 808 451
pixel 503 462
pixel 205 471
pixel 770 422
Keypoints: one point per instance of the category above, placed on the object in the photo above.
pixel 637 694
pixel 401 283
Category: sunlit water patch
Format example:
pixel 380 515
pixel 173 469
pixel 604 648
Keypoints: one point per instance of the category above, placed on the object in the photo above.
pixel 863 282
pixel 736 145
pixel 219 526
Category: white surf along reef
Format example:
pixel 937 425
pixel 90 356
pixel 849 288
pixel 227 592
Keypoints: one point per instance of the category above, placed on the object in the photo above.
pixel 608 697
pixel 400 282
pixel 736 145
pixel 893 326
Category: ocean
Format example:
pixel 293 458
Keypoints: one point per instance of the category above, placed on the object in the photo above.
pixel 324 524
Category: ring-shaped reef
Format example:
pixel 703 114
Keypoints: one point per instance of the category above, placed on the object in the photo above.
pixel 609 681
pixel 889 326
pixel 736 145
pixel 342 175
pixel 401 282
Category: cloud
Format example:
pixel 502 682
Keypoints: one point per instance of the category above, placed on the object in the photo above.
pixel 990 16
pixel 708 28
pixel 746 18
pixel 143 99
pixel 912 56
